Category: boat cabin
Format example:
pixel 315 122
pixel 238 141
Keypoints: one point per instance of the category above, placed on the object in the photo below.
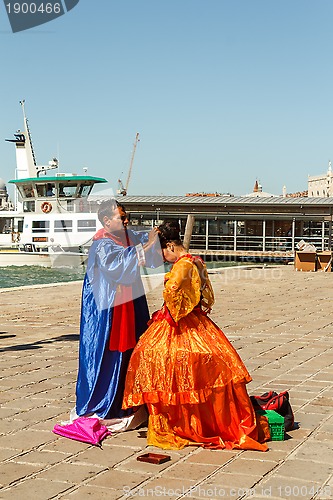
pixel 61 193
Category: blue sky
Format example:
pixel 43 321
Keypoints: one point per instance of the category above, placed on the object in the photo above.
pixel 222 92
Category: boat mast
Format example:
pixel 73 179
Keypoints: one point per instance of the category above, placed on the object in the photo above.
pixel 27 131
pixel 25 157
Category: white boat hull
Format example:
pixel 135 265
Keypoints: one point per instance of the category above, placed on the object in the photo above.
pixel 24 259
pixel 43 259
pixel 68 259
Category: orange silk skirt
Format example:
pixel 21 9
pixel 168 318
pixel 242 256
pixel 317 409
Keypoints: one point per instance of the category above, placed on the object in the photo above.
pixel 194 384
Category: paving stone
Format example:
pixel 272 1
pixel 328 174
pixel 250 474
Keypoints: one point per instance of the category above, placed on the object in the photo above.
pixel 14 471
pixel 165 487
pixel 285 446
pixel 19 404
pixel 37 414
pixel 64 445
pixel 6 453
pixel 22 440
pixel 318 451
pixel 118 480
pixel 316 408
pixel 134 439
pixel 70 473
pixel 8 412
pixel 88 491
pixel 196 472
pixel 306 470
pixel 43 426
pixel 227 481
pixel 250 466
pixel 34 489
pixel 288 487
pixel 213 457
pixel 40 457
pixel 107 456
pixel 309 420
pixel 8 425
pixel 322 435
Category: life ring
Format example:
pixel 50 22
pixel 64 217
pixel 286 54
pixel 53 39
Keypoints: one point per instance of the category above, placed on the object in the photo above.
pixel 46 207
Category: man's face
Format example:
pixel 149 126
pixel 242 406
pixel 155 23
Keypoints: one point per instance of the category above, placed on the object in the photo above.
pixel 124 217
pixel 117 222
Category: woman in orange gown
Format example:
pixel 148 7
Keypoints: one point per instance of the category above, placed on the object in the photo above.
pixel 184 368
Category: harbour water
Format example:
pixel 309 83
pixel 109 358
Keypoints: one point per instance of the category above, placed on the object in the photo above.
pixel 14 276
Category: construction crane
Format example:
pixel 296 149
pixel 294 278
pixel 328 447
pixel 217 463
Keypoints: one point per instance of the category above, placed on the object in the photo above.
pixel 121 188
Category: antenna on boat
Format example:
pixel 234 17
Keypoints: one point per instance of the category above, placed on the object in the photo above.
pixel 28 131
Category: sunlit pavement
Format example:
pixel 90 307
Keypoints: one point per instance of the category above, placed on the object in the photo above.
pixel 280 321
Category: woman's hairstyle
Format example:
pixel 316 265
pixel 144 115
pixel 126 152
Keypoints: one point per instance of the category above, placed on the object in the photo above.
pixel 107 208
pixel 169 232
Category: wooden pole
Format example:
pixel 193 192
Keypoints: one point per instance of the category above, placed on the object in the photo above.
pixel 188 232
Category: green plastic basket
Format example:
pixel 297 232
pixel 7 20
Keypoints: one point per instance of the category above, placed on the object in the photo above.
pixel 276 424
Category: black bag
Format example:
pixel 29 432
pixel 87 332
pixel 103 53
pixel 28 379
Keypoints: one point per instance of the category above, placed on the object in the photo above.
pixel 278 402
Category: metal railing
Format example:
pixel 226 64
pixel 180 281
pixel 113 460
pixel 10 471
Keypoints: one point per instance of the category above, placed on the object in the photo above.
pixel 256 243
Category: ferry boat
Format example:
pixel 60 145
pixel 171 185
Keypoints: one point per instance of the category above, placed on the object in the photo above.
pixel 52 223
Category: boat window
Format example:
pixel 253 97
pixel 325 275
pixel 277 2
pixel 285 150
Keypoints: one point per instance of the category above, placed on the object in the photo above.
pixel 86 225
pixel 68 190
pixel 63 225
pixel 40 190
pixel 84 191
pixel 50 189
pixel 28 191
pixel 29 206
pixel 40 226
pixel 61 192
pixel 6 225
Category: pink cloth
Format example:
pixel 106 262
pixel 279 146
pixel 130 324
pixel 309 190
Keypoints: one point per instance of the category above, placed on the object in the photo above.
pixel 88 430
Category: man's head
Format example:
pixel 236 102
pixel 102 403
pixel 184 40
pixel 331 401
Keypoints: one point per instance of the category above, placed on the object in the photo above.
pixel 112 215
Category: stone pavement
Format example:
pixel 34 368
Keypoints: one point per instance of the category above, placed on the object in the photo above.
pixel 281 322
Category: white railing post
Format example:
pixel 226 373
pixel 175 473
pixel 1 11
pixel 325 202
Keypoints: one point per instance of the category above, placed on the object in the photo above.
pixel 293 235
pixel 207 234
pixel 235 235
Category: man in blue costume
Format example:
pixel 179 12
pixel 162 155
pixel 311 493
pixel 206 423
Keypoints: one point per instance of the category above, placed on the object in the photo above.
pixel 114 313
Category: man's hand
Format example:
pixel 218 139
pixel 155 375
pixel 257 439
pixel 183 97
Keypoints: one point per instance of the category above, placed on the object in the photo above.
pixel 152 238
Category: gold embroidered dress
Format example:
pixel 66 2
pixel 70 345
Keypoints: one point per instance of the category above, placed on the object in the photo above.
pixel 187 372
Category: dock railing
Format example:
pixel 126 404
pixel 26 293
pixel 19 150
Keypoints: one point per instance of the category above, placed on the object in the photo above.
pixel 255 243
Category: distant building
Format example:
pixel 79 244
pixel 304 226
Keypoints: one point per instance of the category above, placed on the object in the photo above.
pixel 5 203
pixel 321 185
pixel 298 194
pixel 209 194
pixel 258 192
